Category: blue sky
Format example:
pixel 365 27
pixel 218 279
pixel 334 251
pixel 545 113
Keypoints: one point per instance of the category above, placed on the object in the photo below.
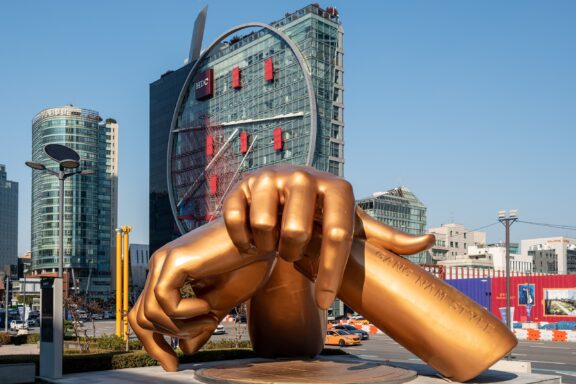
pixel 472 105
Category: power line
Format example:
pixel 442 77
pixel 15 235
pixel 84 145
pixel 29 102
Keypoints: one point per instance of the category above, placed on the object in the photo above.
pixel 485 226
pixel 559 226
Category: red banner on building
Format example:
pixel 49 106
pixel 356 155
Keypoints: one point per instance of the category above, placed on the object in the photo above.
pixel 213 184
pixel 269 69
pixel 243 142
pixel 278 139
pixel 209 145
pixel 236 78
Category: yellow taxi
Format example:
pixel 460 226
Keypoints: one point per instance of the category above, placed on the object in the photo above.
pixel 341 338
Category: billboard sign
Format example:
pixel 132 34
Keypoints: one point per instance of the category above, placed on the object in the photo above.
pixel 204 84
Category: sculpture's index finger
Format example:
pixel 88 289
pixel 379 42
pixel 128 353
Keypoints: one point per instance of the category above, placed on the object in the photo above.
pixel 337 236
pixel 235 215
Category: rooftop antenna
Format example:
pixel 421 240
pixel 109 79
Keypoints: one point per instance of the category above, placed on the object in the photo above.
pixel 197 35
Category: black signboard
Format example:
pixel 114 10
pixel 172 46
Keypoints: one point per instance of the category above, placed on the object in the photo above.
pixel 47 310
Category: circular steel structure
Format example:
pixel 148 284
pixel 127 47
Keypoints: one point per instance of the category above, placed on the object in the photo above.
pixel 245 104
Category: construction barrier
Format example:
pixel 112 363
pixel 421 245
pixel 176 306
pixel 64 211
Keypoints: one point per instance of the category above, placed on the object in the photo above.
pixel 545 335
pixel 521 334
pixel 559 336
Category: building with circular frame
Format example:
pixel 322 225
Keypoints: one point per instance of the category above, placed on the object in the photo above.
pixel 260 94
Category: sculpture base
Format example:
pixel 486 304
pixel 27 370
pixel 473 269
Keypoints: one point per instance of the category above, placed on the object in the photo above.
pixel 345 371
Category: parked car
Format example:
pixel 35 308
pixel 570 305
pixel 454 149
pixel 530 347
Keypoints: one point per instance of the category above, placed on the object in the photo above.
pixel 341 338
pixel 351 329
pixel 35 322
pixel 97 316
pixel 78 323
pixel 109 315
pixel 219 330
pixel 83 315
pixel 17 324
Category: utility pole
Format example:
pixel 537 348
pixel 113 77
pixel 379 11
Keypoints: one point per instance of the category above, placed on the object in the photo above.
pixel 507 219
pixel 118 282
pixel 6 288
pixel 126 277
pixel 122 279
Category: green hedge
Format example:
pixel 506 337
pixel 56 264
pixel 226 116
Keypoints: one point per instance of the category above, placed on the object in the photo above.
pixel 227 344
pixel 116 343
pixel 33 338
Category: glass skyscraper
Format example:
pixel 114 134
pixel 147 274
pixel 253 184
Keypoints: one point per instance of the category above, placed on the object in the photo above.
pixel 90 201
pixel 8 222
pixel 401 209
pixel 164 94
pixel 263 94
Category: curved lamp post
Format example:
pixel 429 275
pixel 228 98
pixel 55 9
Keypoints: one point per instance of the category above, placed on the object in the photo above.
pixel 67 158
pixel 507 219
pixel 51 351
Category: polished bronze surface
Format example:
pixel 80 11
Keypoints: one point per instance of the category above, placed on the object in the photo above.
pixel 290 241
pixel 342 371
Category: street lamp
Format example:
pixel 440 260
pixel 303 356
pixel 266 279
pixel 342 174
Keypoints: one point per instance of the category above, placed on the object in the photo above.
pixel 67 158
pixel 25 271
pixel 507 219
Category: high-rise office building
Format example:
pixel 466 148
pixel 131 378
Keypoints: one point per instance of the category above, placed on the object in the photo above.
pixel 90 201
pixel 8 222
pixel 262 94
pixel 164 94
pixel 401 209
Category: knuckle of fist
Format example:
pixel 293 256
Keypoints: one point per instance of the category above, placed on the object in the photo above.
pixel 301 177
pixel 234 216
pixel 265 177
pixel 264 223
pixel 339 234
pixel 342 185
pixel 158 257
pixel 163 299
pixel 296 235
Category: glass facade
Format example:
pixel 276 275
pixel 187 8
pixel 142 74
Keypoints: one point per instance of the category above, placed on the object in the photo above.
pixel 262 98
pixel 90 201
pixel 164 94
pixel 8 222
pixel 401 209
pixel 246 105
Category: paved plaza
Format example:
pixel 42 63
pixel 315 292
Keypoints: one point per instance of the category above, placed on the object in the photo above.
pixel 186 374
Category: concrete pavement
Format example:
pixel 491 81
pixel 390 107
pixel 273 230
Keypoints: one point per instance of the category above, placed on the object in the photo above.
pixel 24 349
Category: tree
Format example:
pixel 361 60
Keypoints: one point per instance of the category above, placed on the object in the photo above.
pixel 73 305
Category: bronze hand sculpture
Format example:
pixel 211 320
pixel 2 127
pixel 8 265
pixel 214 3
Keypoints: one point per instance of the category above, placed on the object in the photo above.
pixel 290 241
